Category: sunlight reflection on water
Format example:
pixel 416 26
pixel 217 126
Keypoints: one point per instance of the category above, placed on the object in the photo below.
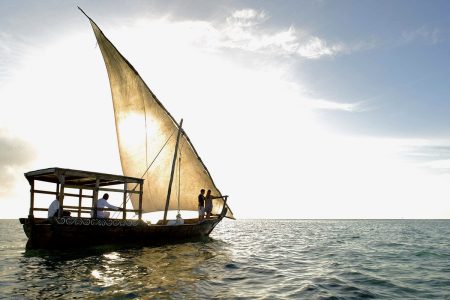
pixel 245 259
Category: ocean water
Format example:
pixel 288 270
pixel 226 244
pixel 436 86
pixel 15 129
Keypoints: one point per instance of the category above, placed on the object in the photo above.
pixel 244 259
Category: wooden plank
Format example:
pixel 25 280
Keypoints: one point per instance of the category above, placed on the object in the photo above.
pixel 45 192
pixel 140 201
pixel 52 175
pixel 172 171
pixel 117 190
pixel 80 197
pixel 77 195
pixel 99 188
pixel 40 209
pixel 87 174
pixel 61 198
pixel 99 209
pixel 75 186
pixel 87 209
pixel 95 198
pixel 124 214
pixel 31 198
pixel 65 194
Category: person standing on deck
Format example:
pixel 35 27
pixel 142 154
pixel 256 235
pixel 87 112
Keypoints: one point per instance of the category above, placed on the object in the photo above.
pixel 209 204
pixel 102 203
pixel 201 205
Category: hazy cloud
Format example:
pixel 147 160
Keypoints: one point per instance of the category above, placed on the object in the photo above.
pixel 432 155
pixel 14 155
pixel 243 30
pixel 438 164
pixel 247 18
pixel 331 105
pixel 316 48
pixel 430 35
pixel 12 50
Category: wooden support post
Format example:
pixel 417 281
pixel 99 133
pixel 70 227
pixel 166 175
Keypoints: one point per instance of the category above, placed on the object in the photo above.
pixel 80 197
pixel 61 196
pixel 141 190
pixel 95 197
pixel 172 172
pixel 125 186
pixel 31 212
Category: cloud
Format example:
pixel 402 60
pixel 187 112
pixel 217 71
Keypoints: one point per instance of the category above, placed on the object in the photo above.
pixel 438 164
pixel 204 43
pixel 432 155
pixel 12 48
pixel 316 48
pixel 243 30
pixel 14 154
pixel 332 105
pixel 430 35
pixel 247 17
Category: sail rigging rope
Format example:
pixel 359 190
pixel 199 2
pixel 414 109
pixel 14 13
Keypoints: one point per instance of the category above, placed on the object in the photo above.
pixel 148 168
pixel 179 182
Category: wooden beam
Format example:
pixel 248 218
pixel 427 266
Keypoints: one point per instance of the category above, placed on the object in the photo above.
pixel 65 194
pixel 117 190
pixel 80 197
pixel 95 197
pixel 87 209
pixel 61 197
pixel 99 209
pixel 30 214
pixel 172 172
pixel 124 214
pixel 141 192
pixel 71 186
pixel 45 192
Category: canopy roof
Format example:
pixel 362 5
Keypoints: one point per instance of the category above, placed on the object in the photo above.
pixel 79 177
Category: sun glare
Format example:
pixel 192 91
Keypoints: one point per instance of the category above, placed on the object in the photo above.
pixel 254 128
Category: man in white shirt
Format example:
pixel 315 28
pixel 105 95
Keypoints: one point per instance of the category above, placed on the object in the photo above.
pixel 102 203
pixel 53 210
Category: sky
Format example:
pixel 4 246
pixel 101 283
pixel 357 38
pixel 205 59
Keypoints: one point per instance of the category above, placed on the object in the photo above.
pixel 299 109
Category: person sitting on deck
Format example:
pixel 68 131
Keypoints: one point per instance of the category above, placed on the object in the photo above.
pixel 209 204
pixel 102 203
pixel 201 205
pixel 53 210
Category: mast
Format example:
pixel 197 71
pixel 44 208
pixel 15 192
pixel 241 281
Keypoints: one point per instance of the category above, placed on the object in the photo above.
pixel 172 171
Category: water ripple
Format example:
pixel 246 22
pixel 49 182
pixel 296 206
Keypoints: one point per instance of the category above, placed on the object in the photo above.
pixel 246 259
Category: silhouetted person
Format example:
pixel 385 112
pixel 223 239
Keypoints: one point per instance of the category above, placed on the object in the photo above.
pixel 201 205
pixel 209 204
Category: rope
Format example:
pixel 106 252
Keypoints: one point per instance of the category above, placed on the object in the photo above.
pixel 179 182
pixel 148 168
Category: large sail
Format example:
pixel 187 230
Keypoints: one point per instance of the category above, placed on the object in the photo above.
pixel 146 134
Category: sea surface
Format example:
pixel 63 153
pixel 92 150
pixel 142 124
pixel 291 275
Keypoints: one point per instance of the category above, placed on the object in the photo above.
pixel 244 259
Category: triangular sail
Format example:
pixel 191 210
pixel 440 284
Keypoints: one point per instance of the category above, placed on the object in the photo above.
pixel 144 127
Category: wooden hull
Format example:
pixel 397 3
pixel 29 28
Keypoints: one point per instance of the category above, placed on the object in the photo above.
pixel 81 232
